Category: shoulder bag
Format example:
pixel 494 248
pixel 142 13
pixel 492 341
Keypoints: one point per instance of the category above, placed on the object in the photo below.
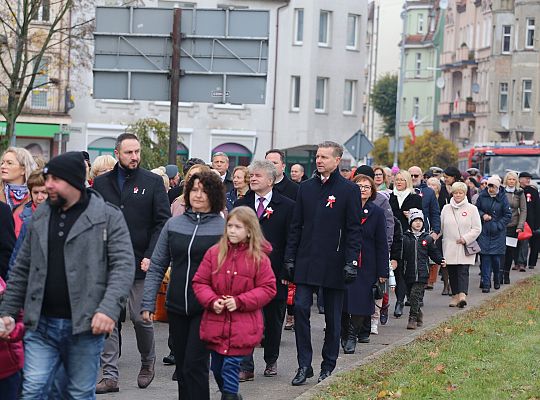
pixel 472 248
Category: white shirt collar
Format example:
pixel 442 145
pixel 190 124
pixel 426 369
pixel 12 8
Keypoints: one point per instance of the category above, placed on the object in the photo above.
pixel 266 201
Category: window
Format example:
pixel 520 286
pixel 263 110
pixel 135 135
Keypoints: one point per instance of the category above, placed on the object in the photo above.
pixel 418 65
pixel 527 94
pixel 298 25
pixel 349 97
pixel 503 97
pixel 529 34
pixel 320 95
pixel 325 24
pixel 39 94
pixel 506 38
pixel 416 108
pixel 429 104
pixel 295 93
pixel 43 13
pixel 352 31
pixel 420 23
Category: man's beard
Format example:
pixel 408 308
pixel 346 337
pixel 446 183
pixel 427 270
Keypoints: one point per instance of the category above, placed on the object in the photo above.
pixel 58 202
pixel 128 167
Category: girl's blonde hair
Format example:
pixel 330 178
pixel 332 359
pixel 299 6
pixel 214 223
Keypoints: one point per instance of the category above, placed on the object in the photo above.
pixel 255 237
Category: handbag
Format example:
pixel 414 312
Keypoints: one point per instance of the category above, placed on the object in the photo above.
pixel 526 234
pixel 472 248
pixel 379 289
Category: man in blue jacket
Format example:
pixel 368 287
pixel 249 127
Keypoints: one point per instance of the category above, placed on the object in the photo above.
pixel 430 205
pixel 322 251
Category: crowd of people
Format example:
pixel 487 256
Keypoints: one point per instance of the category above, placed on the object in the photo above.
pixel 85 245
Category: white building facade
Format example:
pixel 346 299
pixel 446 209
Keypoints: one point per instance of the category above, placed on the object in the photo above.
pixel 314 88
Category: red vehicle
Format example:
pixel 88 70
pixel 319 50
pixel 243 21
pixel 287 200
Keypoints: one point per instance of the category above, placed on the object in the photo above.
pixel 499 159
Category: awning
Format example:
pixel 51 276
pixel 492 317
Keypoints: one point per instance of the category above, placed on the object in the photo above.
pixel 25 129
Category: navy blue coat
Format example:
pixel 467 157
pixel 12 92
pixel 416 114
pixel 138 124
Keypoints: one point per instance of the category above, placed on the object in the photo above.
pixel 492 239
pixel 325 236
pixel 373 262
pixel 276 230
pixel 430 207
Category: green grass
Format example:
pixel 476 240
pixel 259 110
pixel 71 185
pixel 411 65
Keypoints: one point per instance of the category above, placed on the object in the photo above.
pixel 491 352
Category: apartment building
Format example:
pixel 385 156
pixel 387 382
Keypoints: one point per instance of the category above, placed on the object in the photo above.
pixel 313 91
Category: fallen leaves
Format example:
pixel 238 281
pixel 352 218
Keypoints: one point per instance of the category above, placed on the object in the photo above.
pixel 440 368
pixel 387 394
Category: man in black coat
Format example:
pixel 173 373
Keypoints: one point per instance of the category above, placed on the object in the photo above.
pixel 322 251
pixel 533 219
pixel 141 197
pixel 220 162
pixel 283 184
pixel 275 215
pixel 7 237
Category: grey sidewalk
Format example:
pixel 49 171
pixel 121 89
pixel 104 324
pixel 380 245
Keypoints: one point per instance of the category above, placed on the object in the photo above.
pixel 436 310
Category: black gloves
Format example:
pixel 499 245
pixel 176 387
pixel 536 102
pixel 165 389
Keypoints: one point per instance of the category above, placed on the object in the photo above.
pixel 350 271
pixel 289 270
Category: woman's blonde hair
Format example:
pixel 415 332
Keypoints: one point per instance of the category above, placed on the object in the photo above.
pixel 435 182
pixel 24 158
pixel 405 175
pixel 105 161
pixel 511 174
pixel 255 238
pixel 459 186
pixel 162 172
pixel 244 170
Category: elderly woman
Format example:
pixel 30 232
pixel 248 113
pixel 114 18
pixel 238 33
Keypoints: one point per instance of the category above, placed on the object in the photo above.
pixel 402 199
pixel 460 223
pixel 381 180
pixel 101 165
pixel 495 214
pixel 183 242
pixel 16 166
pixel 518 204
pixel 240 186
pixel 359 303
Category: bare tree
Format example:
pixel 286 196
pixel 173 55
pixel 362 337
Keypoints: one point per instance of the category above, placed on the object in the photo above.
pixel 38 36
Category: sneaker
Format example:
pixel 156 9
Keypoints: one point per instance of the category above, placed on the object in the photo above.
pixel 245 376
pixel 289 323
pixel 107 385
pixel 374 328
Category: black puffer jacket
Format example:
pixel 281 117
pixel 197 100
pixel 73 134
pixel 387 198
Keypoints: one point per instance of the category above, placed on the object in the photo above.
pixel 417 250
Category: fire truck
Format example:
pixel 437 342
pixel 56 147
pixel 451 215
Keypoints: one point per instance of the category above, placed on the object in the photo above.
pixel 498 159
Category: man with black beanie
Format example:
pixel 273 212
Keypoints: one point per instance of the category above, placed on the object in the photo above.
pixel 72 276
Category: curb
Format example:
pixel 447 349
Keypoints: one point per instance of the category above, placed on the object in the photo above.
pixel 319 387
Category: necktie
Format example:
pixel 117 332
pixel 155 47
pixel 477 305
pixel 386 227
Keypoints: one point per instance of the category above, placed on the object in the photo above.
pixel 260 208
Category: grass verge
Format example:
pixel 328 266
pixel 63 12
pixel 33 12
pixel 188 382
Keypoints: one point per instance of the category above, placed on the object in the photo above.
pixel 490 352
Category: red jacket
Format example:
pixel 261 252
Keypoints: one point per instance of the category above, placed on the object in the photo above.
pixel 11 350
pixel 234 333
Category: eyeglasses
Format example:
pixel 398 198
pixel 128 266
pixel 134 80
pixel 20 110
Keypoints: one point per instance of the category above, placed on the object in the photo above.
pixel 378 175
pixel 364 187
pixel 415 175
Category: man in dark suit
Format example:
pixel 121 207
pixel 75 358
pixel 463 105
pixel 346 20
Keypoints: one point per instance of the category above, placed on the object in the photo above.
pixel 220 162
pixel 275 214
pixel 533 219
pixel 322 251
pixel 141 197
pixel 283 184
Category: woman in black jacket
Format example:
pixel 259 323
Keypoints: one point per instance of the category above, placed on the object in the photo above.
pixel 183 242
pixel 402 199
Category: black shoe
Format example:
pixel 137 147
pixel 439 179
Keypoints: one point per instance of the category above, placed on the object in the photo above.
pixel 384 315
pixel 231 396
pixel 323 375
pixel 363 339
pixel 349 346
pixel 407 303
pixel 302 374
pixel 174 376
pixel 496 285
pixel 506 278
pixel 531 266
pixel 169 360
pixel 398 311
pixel 485 290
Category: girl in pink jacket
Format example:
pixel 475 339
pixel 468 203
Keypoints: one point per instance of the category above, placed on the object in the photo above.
pixel 11 358
pixel 233 283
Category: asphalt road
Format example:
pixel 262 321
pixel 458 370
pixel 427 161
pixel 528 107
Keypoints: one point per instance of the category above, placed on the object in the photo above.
pixel 435 311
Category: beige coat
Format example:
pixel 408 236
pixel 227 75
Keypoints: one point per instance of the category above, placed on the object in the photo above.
pixel 468 222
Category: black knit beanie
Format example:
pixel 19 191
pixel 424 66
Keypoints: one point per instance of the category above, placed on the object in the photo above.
pixel 365 170
pixel 70 167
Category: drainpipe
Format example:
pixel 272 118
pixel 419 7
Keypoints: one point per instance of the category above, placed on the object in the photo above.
pixel 272 137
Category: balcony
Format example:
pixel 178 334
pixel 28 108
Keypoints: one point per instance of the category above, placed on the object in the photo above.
pixel 49 100
pixel 457 109
pixel 460 58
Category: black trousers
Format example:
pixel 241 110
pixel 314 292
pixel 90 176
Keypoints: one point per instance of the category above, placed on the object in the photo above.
pixel 534 246
pixel 274 313
pixel 192 357
pixel 401 285
pixel 333 305
pixel 458 275
pixel 510 254
pixel 361 325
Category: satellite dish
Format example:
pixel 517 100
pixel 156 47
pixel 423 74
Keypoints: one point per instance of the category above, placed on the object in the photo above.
pixel 443 4
pixel 440 82
pixel 475 88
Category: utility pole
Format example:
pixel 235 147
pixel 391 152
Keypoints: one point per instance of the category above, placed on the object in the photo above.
pixel 400 83
pixel 175 85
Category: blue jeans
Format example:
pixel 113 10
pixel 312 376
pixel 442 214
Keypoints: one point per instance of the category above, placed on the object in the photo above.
pixel 490 263
pixel 226 370
pixel 53 344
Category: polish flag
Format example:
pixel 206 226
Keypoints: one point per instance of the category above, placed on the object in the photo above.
pixel 456 104
pixel 412 128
